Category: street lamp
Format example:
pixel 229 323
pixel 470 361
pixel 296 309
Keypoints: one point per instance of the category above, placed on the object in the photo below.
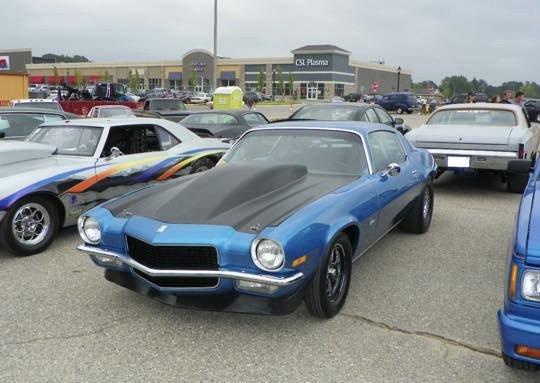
pixel 398 76
pixel 215 84
pixel 273 85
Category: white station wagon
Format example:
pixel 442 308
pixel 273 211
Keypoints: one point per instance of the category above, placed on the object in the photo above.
pixel 481 136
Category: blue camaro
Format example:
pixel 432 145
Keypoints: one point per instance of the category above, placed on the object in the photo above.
pixel 519 319
pixel 279 220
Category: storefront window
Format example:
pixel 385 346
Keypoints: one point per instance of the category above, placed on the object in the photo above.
pixel 154 83
pixel 320 91
pixel 303 91
pixel 339 90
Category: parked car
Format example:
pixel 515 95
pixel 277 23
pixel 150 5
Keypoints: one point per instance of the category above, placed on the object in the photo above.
pixel 229 124
pixel 460 98
pixel 280 219
pixel 184 96
pixel 65 169
pixel 402 102
pixel 483 137
pixel 39 103
pixel 105 111
pixel 353 97
pixel 18 122
pixel 533 108
pixel 171 109
pixel 349 112
pixel 519 318
pixel 201 98
pixel 252 96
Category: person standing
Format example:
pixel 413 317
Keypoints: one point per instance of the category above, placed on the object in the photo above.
pixel 519 99
pixel 471 98
pixel 506 97
pixel 495 99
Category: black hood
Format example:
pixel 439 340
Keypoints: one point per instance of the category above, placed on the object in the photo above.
pixel 246 197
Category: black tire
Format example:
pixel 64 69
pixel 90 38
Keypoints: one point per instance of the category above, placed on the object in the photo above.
pixel 325 296
pixel 43 239
pixel 202 165
pixel 419 218
pixel 518 364
pixel 516 183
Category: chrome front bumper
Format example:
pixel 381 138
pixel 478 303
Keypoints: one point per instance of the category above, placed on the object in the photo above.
pixel 479 159
pixel 266 279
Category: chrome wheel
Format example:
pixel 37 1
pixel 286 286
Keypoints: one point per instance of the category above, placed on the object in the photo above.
pixel 201 169
pixel 335 273
pixel 30 224
pixel 426 206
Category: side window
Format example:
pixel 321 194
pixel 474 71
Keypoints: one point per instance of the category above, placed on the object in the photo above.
pixel 53 117
pixel 132 140
pixel 20 125
pixel 166 139
pixel 255 119
pixel 384 117
pixel 371 116
pixel 385 149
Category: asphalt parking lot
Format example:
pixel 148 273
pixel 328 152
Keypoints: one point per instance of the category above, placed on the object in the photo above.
pixel 420 308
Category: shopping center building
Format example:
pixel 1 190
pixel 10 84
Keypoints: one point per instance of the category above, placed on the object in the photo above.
pixel 311 72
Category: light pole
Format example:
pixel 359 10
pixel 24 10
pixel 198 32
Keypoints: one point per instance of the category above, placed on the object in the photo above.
pixel 215 46
pixel 398 76
pixel 273 85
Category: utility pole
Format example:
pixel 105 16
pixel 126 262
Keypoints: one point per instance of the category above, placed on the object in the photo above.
pixel 215 84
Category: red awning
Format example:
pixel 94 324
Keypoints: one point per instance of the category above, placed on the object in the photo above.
pixel 36 79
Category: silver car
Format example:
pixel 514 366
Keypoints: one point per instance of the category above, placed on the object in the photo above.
pixel 65 168
pixel 479 136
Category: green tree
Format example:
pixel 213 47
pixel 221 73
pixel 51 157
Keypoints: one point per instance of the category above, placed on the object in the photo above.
pixel 280 81
pixel 192 80
pixel 290 82
pixel 64 58
pixel 261 80
pixel 453 85
pixel 106 76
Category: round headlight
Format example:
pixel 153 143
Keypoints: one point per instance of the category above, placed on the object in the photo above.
pixel 89 230
pixel 267 254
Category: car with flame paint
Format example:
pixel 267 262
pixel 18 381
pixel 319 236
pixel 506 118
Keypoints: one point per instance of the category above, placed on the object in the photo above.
pixel 279 220
pixel 65 168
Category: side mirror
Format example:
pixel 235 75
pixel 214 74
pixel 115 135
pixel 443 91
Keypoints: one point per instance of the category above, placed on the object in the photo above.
pixel 392 170
pixel 519 166
pixel 115 152
pixel 398 121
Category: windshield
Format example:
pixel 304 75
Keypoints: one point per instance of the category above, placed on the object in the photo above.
pixel 489 117
pixel 325 113
pixel 116 112
pixel 210 119
pixel 321 151
pixel 38 105
pixel 69 140
pixel 168 104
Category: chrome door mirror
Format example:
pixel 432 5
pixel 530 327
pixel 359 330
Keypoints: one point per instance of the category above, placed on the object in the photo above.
pixel 392 170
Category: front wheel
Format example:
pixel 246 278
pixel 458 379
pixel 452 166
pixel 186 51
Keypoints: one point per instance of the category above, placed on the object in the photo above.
pixel 419 218
pixel 327 291
pixel 202 165
pixel 30 226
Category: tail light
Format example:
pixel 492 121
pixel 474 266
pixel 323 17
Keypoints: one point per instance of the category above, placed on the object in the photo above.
pixel 521 151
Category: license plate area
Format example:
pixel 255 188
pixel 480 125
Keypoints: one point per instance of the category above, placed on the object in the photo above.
pixel 459 162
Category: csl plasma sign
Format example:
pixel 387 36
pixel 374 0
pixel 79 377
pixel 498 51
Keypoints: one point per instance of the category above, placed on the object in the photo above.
pixel 310 62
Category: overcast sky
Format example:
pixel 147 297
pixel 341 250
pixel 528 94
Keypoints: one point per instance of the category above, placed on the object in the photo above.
pixel 491 39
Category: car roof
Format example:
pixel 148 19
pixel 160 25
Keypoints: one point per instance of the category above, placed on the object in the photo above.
pixel 339 104
pixel 481 105
pixel 110 107
pixel 356 126
pixel 32 100
pixel 234 112
pixel 109 121
pixel 31 110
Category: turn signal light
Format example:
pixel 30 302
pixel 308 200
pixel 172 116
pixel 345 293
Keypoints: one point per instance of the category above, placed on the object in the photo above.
pixel 528 351
pixel 513 281
pixel 299 261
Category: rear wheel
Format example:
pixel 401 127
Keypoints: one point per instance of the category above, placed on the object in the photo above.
pixel 518 364
pixel 30 226
pixel 327 291
pixel 419 218
pixel 516 183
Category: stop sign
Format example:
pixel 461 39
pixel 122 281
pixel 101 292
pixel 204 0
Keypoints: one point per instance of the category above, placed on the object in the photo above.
pixel 374 87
